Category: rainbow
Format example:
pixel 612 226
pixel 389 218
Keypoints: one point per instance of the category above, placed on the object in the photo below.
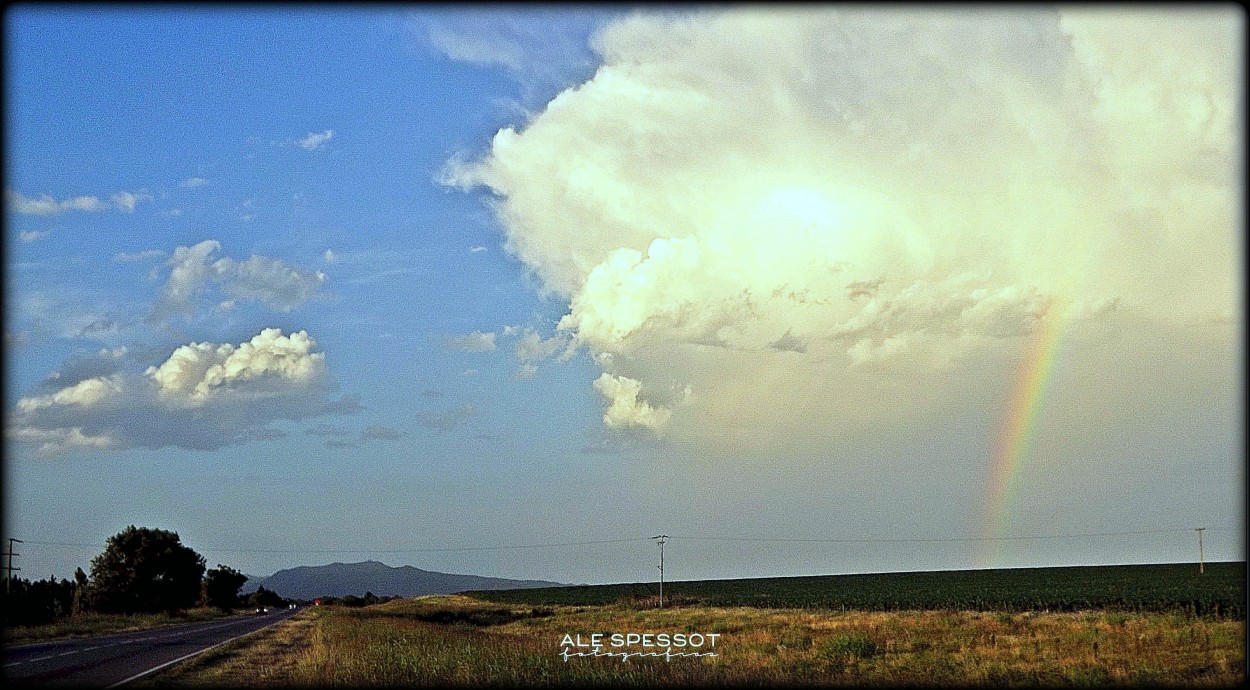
pixel 1016 439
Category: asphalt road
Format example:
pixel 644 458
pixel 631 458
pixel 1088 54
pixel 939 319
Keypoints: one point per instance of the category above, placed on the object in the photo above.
pixel 110 660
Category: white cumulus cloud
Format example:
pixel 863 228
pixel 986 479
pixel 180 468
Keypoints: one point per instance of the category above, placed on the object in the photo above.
pixel 202 396
pixel 776 204
pixel 263 279
pixel 625 410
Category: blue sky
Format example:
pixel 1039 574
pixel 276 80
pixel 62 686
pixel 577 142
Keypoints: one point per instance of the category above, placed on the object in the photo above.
pixel 312 284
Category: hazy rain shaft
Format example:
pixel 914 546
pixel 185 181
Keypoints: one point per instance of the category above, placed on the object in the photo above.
pixel 805 224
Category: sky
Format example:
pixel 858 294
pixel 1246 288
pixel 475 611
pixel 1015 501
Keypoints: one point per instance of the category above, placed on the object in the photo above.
pixel 810 290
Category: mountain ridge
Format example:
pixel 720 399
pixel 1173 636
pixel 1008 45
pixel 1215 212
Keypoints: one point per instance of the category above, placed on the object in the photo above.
pixel 341 579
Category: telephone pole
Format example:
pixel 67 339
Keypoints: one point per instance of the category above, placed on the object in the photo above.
pixel 660 539
pixel 1201 566
pixel 8 579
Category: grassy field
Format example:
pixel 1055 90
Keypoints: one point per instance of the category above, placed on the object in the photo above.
pixel 89 624
pixel 464 641
pixel 1141 588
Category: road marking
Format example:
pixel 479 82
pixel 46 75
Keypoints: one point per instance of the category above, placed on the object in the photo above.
pixel 184 658
pixel 13 663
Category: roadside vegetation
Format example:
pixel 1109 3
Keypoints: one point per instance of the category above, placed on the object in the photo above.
pixel 144 578
pixel 464 641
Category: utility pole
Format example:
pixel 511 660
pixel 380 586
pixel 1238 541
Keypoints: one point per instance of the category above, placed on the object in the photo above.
pixel 1201 566
pixel 660 539
pixel 8 579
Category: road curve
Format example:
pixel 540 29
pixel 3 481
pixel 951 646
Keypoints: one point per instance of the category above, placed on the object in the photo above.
pixel 110 660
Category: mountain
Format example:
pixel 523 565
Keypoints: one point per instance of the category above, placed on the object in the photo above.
pixel 341 579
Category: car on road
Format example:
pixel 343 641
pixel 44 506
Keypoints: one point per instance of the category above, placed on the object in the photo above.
pixel 261 610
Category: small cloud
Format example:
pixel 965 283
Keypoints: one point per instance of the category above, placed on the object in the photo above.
pixel 261 434
pixel 315 140
pixel 339 444
pixel 144 255
pixel 532 348
pixel 478 249
pixel 193 182
pixel 126 201
pixel 626 409
pixel 101 325
pixel 247 217
pixel 525 372
pixel 469 372
pixel 173 212
pixel 789 343
pixel 326 430
pixel 330 257
pixel 45 205
pixel 380 433
pixel 472 342
pixel 32 235
pixel 445 420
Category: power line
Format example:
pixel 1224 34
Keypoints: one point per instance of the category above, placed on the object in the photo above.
pixel 405 550
pixel 933 539
pixel 421 549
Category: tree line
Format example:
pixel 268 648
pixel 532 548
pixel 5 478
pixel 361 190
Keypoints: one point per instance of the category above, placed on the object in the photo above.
pixel 141 570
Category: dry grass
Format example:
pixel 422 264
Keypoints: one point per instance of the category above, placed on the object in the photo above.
pixel 455 640
pixel 268 657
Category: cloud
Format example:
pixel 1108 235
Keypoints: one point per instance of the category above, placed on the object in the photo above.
pixel 542 50
pixel 477 250
pixel 32 235
pixel 143 255
pixel 819 205
pixel 445 420
pixel 257 278
pixel 531 347
pixel 126 201
pixel 625 410
pixel 380 433
pixel 203 396
pixel 45 205
pixel 193 182
pixel 330 257
pixel 316 140
pixel 472 342
pixel 324 429
pixel 200 373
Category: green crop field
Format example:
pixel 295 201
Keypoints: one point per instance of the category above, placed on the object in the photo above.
pixel 1141 588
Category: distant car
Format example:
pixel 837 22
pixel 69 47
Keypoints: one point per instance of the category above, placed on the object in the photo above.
pixel 260 610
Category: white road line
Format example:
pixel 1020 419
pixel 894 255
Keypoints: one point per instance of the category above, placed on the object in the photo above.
pixel 13 663
pixel 184 658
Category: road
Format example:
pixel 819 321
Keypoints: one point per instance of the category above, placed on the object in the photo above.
pixel 110 660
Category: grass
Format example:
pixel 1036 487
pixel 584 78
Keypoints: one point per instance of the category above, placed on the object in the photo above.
pixel 464 641
pixel 90 624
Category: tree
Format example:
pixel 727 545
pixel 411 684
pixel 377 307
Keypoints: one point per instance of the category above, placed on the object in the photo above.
pixel 265 597
pixel 80 592
pixel 145 570
pixel 221 588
